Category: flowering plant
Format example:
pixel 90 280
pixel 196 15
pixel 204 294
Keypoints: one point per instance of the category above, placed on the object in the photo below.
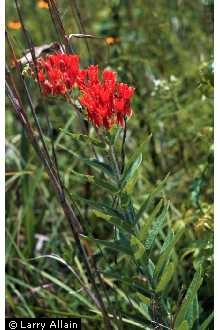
pixel 126 275
pixel 106 101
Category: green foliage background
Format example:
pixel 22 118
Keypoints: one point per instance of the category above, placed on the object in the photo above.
pixel 165 50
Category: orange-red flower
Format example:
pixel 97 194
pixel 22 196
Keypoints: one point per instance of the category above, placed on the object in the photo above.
pixel 107 101
pixel 112 40
pixel 14 25
pixel 57 73
pixel 42 4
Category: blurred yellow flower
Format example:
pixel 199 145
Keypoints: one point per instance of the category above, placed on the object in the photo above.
pixel 42 4
pixel 14 25
pixel 112 40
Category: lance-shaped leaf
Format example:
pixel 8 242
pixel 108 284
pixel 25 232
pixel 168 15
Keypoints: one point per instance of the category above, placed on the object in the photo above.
pixel 84 138
pixel 115 221
pixel 143 232
pixel 102 207
pixel 107 213
pixel 183 326
pixel 145 206
pixel 114 245
pixel 144 299
pixel 94 163
pixel 165 277
pixel 98 165
pixel 149 268
pixel 156 228
pixel 132 166
pixel 188 299
pixel 83 177
pixel 167 249
pixel 130 171
pixel 139 150
pixel 206 323
pixel 137 246
pixel 192 315
pixel 111 187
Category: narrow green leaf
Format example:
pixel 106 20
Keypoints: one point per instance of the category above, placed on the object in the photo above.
pixel 192 315
pixel 139 307
pixel 84 138
pixel 130 283
pixel 102 207
pixel 131 184
pixel 22 300
pixel 165 277
pixel 188 299
pixel 206 323
pixel 167 249
pixel 107 213
pixel 105 168
pixel 98 182
pixel 148 222
pixel 183 326
pixel 139 150
pixel 145 206
pixel 63 130
pixel 102 215
pixel 10 299
pixel 144 299
pixel 137 246
pixel 130 172
pixel 115 221
pixel 114 245
pixel 111 187
pixel 94 163
pixel 156 227
pixel 60 284
pixel 150 268
pixel 83 177
pixel 196 311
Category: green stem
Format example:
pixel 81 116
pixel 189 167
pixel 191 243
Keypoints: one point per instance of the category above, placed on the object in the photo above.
pixel 115 161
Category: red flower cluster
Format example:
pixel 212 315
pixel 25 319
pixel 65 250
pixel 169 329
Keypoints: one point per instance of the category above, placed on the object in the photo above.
pixel 107 101
pixel 57 73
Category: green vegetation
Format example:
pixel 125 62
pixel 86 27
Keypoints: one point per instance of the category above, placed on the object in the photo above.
pixel 147 232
